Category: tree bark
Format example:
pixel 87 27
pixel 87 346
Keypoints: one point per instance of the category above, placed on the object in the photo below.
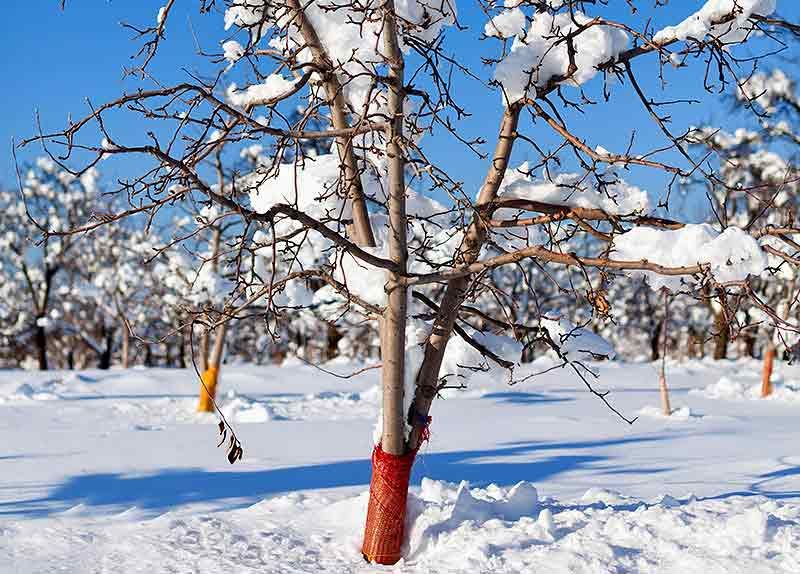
pixel 393 439
pixel 104 361
pixel 41 345
pixel 655 341
pixel 126 344
pixel 204 347
pixel 722 337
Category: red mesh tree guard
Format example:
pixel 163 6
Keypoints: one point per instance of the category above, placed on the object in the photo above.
pixel 386 514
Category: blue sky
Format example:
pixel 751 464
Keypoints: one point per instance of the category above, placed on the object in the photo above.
pixel 54 60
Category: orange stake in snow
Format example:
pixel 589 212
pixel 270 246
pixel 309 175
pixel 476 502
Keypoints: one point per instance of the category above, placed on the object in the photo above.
pixel 766 374
pixel 208 390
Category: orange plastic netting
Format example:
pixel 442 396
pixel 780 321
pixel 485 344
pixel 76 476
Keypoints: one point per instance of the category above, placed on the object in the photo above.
pixel 386 514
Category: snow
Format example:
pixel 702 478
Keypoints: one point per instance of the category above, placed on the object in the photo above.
pixel 542 53
pixel 681 414
pixel 274 88
pixel 736 389
pixel 350 40
pixel 731 255
pixel 232 51
pixel 576 343
pixel 507 24
pixel 574 190
pixel 701 23
pixel 309 186
pixel 114 471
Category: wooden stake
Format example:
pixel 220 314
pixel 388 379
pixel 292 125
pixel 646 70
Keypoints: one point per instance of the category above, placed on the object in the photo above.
pixel 766 373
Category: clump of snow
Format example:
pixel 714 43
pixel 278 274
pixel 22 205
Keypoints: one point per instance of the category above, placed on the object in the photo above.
pixel 244 410
pixel 352 41
pixel 574 190
pixel 273 88
pixel 542 54
pixel 680 414
pixel 461 359
pixel 731 255
pixel 576 343
pixel 702 22
pixel 735 390
pixel 364 279
pixel 309 186
pixel 232 51
pixel 605 497
pixel 506 24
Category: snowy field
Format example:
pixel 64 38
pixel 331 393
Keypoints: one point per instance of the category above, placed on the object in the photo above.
pixel 114 472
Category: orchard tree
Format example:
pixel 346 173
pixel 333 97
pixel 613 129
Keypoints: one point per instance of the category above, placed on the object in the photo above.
pixel 379 80
pixel 36 255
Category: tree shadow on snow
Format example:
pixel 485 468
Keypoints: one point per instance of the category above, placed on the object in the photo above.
pixel 523 398
pixel 169 488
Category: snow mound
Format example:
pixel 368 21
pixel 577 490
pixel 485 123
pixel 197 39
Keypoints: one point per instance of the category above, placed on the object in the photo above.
pixel 455 528
pixel 605 497
pixel 733 390
pixel 245 410
pixel 29 392
pixel 681 414
pixel 325 405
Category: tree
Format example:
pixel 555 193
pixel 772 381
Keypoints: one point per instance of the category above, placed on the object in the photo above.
pixel 50 201
pixel 359 223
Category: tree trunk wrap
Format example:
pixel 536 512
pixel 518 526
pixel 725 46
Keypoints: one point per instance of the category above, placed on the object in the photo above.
pixel 208 390
pixel 386 513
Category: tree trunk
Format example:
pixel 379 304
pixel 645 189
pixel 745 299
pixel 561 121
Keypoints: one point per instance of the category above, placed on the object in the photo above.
pixel 766 373
pixel 104 361
pixel 204 346
pixel 391 462
pixel 666 409
pixel 662 379
pixel 182 349
pixel 722 337
pixel 655 341
pixel 332 343
pixel 126 343
pixel 390 472
pixel 41 345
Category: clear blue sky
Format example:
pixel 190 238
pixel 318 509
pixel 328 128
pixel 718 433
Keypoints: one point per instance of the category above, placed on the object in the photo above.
pixel 53 60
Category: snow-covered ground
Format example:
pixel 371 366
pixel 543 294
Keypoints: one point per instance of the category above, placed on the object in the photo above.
pixel 114 472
